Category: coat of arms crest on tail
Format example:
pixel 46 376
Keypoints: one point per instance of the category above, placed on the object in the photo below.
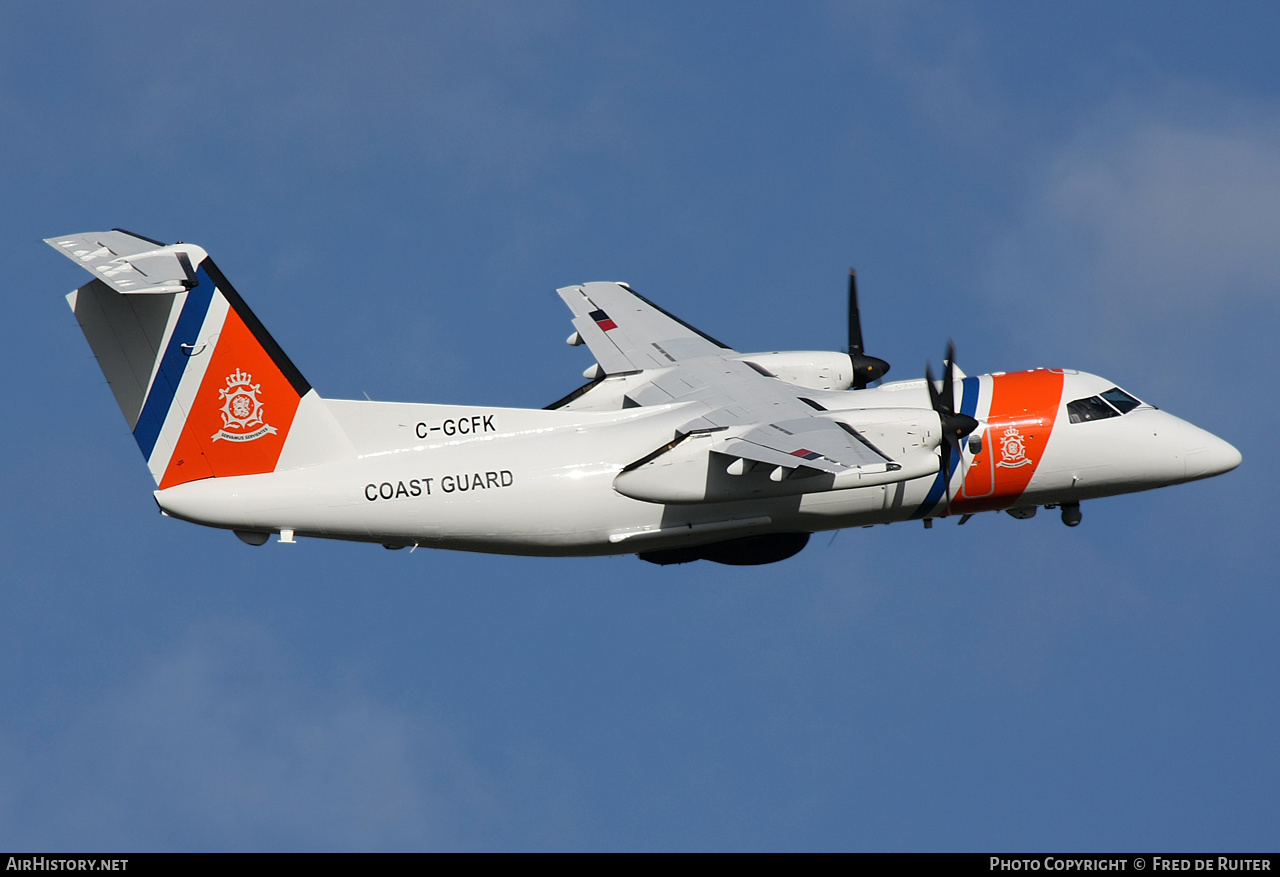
pixel 242 410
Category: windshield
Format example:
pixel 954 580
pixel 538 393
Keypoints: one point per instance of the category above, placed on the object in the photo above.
pixel 1120 400
pixel 1112 403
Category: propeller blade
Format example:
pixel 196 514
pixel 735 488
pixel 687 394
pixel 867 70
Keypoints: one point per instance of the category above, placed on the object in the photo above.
pixel 855 321
pixel 865 368
pixel 955 426
pixel 949 379
pixel 945 448
pixel 935 398
pixel 956 445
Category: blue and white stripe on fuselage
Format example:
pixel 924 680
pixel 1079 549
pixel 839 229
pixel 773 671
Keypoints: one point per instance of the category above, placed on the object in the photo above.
pixel 971 401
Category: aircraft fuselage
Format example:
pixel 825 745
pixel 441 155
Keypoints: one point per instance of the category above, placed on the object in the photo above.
pixel 537 482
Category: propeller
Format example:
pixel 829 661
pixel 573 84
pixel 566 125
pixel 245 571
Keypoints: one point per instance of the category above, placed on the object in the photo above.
pixel 955 426
pixel 865 368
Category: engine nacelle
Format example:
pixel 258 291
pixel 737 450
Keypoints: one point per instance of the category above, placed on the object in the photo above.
pixel 815 369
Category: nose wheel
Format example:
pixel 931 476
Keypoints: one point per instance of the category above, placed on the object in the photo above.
pixel 1071 514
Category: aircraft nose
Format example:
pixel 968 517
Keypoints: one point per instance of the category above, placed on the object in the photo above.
pixel 1207 455
pixel 1174 451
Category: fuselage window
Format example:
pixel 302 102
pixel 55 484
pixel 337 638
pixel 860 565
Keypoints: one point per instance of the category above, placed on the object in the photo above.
pixel 1120 400
pixel 1093 408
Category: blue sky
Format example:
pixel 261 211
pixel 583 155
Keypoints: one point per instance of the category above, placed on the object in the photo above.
pixel 398 189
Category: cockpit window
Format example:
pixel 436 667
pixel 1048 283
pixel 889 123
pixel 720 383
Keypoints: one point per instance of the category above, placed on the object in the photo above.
pixel 1120 400
pixel 1093 408
pixel 1112 403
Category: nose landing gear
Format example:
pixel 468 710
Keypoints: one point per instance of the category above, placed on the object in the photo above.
pixel 1071 514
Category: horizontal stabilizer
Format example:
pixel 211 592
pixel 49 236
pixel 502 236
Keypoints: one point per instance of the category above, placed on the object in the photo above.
pixel 131 264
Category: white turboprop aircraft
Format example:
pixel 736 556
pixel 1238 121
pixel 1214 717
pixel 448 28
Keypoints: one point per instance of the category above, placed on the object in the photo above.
pixel 678 449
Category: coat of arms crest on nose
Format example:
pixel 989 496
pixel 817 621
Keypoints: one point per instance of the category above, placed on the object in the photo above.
pixel 242 410
pixel 1013 449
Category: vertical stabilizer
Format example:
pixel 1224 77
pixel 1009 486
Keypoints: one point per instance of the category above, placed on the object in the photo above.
pixel 204 387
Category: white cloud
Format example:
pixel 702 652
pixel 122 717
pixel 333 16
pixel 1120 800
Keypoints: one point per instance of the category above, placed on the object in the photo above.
pixel 1147 227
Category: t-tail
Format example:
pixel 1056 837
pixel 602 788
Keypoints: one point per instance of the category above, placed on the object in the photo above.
pixel 204 387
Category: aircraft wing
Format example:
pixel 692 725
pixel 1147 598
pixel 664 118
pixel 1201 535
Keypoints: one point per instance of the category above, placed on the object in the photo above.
pixel 811 442
pixel 753 416
pixel 628 333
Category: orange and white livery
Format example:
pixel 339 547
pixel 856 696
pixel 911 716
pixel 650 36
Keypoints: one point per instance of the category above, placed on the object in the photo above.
pixel 678 448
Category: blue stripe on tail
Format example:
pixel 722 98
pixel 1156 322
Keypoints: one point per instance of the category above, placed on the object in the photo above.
pixel 173 364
